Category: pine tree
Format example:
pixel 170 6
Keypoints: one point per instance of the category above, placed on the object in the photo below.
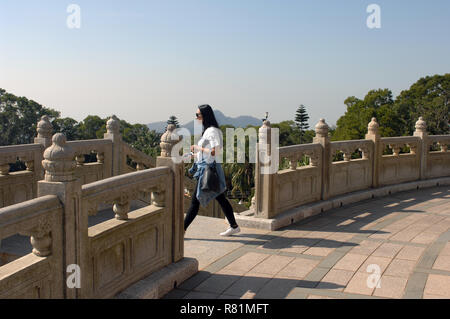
pixel 173 120
pixel 301 120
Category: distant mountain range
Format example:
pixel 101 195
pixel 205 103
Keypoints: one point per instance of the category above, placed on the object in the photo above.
pixel 222 119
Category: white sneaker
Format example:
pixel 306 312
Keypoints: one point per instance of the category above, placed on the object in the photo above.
pixel 230 231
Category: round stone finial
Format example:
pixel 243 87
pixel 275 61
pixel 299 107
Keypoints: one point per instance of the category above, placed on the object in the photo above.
pixel 44 127
pixel 373 126
pixel 59 139
pixel 264 133
pixel 421 125
pixel 59 163
pixel 266 124
pixel 321 128
pixel 113 125
pixel 171 127
pixel 168 140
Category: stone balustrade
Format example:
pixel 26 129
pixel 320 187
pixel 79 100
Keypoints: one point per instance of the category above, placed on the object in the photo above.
pixel 38 274
pixel 350 174
pixel 365 164
pixel 443 141
pixel 141 159
pixel 145 235
pixel 299 183
pixel 16 187
pixel 399 167
pixel 95 171
pixel 113 158
pixel 136 242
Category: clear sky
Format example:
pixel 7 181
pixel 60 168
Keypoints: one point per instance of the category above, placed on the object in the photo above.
pixel 147 60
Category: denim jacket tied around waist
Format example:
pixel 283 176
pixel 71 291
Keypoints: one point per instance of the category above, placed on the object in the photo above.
pixel 198 169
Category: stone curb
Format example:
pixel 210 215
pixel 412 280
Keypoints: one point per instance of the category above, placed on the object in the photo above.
pixel 297 214
pixel 158 284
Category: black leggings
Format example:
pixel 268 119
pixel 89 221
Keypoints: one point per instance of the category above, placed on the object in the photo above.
pixel 195 205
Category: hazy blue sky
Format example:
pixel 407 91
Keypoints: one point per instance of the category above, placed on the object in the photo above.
pixel 147 60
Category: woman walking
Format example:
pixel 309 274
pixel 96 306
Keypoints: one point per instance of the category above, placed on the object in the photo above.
pixel 205 152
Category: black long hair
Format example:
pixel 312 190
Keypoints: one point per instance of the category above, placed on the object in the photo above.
pixel 209 119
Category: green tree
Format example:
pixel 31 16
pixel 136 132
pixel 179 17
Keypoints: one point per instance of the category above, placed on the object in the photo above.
pixel 68 126
pixel 301 120
pixel 377 103
pixel 92 127
pixel 239 176
pixel 429 97
pixel 19 117
pixel 142 138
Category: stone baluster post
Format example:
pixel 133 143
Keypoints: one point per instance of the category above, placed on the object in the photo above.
pixel 44 130
pixel 44 137
pixel 423 147
pixel 168 140
pixel 323 139
pixel 119 160
pixel 59 166
pixel 373 134
pixel 264 182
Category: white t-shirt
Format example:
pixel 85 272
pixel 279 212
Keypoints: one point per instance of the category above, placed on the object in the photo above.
pixel 210 139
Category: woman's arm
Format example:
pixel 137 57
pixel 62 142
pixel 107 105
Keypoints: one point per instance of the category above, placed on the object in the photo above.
pixel 196 148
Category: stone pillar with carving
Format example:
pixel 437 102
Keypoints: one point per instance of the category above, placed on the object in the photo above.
pixel 168 141
pixel 423 148
pixel 373 134
pixel 44 132
pixel 119 160
pixel 59 165
pixel 265 206
pixel 44 137
pixel 323 139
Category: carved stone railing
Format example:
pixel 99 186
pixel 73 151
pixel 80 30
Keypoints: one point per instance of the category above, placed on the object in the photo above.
pixel 443 141
pixel 134 243
pixel 437 163
pixel 107 256
pixel 399 167
pixel 112 155
pixel 39 273
pixel 94 171
pixel 363 166
pixel 350 174
pixel 299 183
pixel 16 187
pixel 141 159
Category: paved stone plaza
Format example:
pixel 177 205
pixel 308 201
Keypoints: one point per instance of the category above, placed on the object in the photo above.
pixel 406 235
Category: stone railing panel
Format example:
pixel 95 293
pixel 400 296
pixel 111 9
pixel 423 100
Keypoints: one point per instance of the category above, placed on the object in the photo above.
pixel 16 187
pixel 38 274
pixel 350 174
pixel 438 162
pixel 133 244
pixel 399 168
pixel 141 159
pixel 298 185
pixel 95 171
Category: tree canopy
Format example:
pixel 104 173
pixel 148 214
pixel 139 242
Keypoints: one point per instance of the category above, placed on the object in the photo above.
pixel 19 117
pixel 428 97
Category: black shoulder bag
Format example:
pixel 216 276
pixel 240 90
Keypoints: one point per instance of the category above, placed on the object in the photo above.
pixel 210 180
